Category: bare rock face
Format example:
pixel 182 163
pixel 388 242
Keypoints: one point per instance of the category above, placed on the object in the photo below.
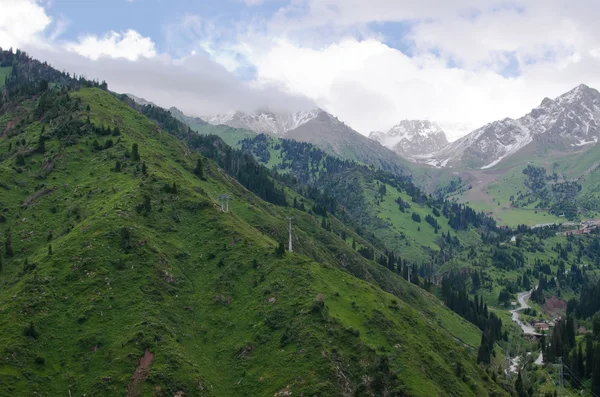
pixel 413 138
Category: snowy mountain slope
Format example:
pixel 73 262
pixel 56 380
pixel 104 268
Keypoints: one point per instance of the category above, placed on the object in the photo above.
pixel 264 122
pixel 412 138
pixel 566 123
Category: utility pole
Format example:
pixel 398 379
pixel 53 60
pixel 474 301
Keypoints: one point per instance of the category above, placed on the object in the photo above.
pixel 224 199
pixel 290 243
pixel 508 365
pixel 561 385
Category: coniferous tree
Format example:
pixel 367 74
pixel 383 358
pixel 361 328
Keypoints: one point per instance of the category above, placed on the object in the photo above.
pixel 589 355
pixel 519 387
pixel 49 250
pixel 144 168
pixel 118 166
pixel 280 250
pixel 20 160
pixel 41 148
pixel 8 251
pixel 135 155
pixel 125 239
pixel 579 368
pixel 199 172
pixel 596 371
pixel 483 354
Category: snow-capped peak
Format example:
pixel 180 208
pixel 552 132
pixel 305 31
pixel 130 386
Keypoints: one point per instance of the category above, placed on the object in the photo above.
pixel 566 122
pixel 412 137
pixel 265 121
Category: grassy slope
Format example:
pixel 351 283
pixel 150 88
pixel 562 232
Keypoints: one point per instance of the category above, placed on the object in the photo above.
pixel 195 287
pixel 395 228
pixel 4 71
pixel 491 192
pixel 580 166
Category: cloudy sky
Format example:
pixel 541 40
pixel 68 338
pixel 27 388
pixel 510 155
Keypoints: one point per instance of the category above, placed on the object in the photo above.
pixel 371 63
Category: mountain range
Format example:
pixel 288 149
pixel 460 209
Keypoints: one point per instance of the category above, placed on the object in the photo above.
pixel 564 124
pixel 318 127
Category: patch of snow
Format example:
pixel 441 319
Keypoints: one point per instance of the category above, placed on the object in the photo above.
pixel 584 142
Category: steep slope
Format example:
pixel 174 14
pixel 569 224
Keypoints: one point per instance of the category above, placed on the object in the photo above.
pixel 140 101
pixel 412 138
pixel 126 278
pixel 335 137
pixel 193 122
pixel 388 207
pixel 315 126
pixel 565 124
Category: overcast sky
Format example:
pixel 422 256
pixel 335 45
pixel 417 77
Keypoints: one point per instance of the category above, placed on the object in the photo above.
pixel 370 63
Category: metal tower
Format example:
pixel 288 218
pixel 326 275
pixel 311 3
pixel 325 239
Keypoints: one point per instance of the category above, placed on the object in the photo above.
pixel 290 243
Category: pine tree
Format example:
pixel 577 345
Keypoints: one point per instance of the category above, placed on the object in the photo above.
pixel 580 366
pixel 199 171
pixel 8 251
pixel 20 160
pixel 125 239
pixel 135 155
pixel 589 355
pixel 49 250
pixel 280 250
pixel 596 371
pixel 144 168
pixel 519 387
pixel 41 147
pixel 483 354
pixel 118 166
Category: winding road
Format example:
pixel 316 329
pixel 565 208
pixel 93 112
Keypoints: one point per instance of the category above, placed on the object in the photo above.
pixel 527 329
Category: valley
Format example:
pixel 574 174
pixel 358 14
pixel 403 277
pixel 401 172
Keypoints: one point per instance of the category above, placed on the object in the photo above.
pixel 121 273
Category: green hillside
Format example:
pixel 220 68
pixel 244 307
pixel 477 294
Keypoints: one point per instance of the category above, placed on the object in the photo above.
pixel 126 278
pixel 567 190
pixel 4 72
pixel 390 208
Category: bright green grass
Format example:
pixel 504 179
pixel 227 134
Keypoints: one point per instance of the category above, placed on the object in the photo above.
pixel 4 71
pixel 195 287
pixel 231 136
pixel 400 225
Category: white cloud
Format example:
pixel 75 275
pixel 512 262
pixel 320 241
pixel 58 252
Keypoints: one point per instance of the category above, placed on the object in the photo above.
pixel 454 65
pixel 372 86
pixel 129 45
pixel 195 84
pixel 25 23
pixel 129 62
pixel 21 22
pixel 461 54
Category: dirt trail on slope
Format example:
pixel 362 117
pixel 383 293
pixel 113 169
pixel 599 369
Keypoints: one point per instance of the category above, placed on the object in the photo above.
pixel 140 374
